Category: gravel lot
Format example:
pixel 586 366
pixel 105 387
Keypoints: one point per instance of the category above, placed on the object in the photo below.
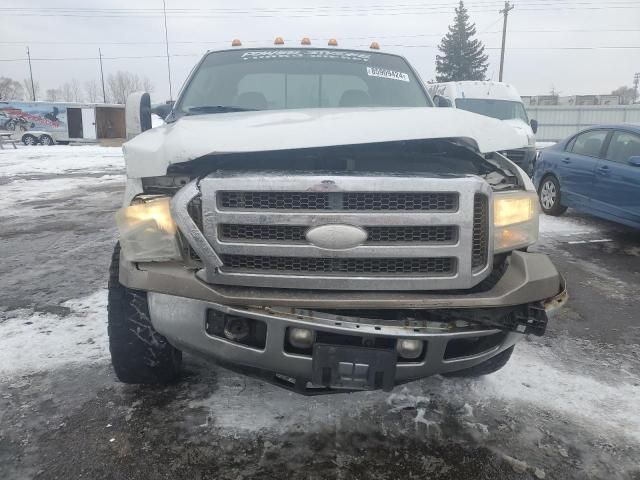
pixel 567 406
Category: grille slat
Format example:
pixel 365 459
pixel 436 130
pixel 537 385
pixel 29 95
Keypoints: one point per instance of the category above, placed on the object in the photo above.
pixel 305 265
pixel 338 201
pixel 479 254
pixel 444 234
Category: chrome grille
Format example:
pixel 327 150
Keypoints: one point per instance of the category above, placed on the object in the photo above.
pixel 378 266
pixel 374 201
pixel 422 233
pixel 480 232
pixel 296 233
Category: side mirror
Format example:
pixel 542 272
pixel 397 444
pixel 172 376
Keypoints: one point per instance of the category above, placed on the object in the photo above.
pixel 441 101
pixel 137 114
pixel 634 161
pixel 163 110
pixel 534 125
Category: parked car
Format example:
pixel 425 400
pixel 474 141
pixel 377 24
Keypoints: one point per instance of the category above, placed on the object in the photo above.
pixel 496 100
pixel 596 171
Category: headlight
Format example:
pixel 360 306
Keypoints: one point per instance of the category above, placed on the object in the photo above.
pixel 147 231
pixel 515 220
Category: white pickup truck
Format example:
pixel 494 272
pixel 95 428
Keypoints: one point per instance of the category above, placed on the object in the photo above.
pixel 308 214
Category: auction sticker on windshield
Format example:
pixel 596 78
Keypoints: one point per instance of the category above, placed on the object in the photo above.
pixel 385 73
pixel 322 54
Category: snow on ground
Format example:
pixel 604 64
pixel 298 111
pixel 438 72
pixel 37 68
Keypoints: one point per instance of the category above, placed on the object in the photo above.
pixel 565 226
pixel 36 341
pixel 39 160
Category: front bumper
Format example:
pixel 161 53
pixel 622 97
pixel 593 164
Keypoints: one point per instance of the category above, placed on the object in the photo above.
pixel 528 278
pixel 183 322
pixel 180 303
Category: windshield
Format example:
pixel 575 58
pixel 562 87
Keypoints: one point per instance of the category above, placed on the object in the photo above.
pixel 275 79
pixel 500 109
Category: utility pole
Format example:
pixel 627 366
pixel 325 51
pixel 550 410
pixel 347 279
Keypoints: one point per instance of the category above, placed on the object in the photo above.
pixel 507 8
pixel 104 94
pixel 33 89
pixel 166 42
pixel 636 81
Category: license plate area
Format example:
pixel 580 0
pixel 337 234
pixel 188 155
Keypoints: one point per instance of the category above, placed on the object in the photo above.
pixel 359 368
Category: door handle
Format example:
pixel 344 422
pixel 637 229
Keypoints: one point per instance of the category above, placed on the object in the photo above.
pixel 566 160
pixel 603 170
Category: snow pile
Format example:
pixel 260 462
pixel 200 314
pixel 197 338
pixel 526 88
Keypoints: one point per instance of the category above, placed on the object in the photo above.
pixel 35 341
pixel 29 161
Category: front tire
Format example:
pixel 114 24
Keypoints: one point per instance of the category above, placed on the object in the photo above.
pixel 139 354
pixel 485 368
pixel 550 196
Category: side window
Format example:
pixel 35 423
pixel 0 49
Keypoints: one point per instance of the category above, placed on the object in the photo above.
pixel 622 146
pixel 570 145
pixel 590 143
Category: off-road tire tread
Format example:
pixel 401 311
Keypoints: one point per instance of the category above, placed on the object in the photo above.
pixel 139 354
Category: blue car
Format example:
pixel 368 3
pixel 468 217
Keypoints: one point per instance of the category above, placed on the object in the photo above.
pixel 596 171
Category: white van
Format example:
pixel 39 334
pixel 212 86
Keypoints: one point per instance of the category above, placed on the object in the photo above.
pixel 492 99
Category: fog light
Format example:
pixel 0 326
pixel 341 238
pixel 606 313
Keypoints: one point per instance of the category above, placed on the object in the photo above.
pixel 408 348
pixel 237 329
pixel 301 337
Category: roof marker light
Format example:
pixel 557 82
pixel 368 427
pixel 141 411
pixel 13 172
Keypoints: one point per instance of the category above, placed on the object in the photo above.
pixel 236 43
pixel 305 41
pixel 278 41
pixel 374 46
pixel 333 42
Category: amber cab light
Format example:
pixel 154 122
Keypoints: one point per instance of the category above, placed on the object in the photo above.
pixel 333 42
pixel 236 43
pixel 305 41
pixel 375 46
pixel 278 41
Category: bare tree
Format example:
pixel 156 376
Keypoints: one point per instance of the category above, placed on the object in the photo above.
pixel 66 92
pixel 10 89
pixel 147 85
pixel 628 94
pixel 28 93
pixel 76 91
pixel 121 84
pixel 92 91
pixel 53 95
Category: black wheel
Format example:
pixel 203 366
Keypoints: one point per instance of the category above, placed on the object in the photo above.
pixel 549 194
pixel 485 368
pixel 139 354
pixel 29 140
pixel 10 125
pixel 46 140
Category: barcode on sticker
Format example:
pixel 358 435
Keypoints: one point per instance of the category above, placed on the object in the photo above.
pixel 385 73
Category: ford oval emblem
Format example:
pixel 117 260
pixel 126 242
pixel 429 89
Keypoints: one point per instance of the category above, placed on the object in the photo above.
pixel 336 237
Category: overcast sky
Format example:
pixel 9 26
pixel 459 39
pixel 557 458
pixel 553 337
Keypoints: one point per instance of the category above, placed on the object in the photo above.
pixel 561 44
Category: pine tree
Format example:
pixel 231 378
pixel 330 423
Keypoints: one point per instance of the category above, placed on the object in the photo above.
pixel 463 57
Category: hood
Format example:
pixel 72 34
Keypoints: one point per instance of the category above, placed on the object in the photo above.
pixel 191 137
pixel 523 129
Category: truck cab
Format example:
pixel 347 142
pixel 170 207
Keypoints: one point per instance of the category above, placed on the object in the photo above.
pixel 308 214
pixel 497 100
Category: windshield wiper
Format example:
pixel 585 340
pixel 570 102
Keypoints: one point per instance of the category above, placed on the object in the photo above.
pixel 217 109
